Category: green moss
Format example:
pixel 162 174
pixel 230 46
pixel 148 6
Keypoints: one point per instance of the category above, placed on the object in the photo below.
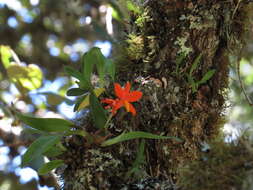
pixel 135 47
pixel 142 19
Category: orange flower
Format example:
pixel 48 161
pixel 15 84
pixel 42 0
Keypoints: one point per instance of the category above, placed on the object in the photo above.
pixel 124 98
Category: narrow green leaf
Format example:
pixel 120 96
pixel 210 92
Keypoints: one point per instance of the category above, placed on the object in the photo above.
pixel 46 124
pixel 76 92
pixel 38 147
pixel 135 135
pixel 179 61
pixel 110 68
pixel 47 167
pixel 97 111
pixel 195 64
pixel 207 76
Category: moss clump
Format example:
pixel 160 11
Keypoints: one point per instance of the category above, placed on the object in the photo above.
pixel 225 166
pixel 136 47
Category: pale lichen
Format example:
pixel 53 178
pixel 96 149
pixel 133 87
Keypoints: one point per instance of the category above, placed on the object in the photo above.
pixel 181 42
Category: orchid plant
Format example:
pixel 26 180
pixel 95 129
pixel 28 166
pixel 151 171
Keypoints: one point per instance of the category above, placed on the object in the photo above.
pixel 52 130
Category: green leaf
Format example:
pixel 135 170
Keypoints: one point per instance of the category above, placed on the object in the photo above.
pixel 56 99
pixel 76 92
pixel 193 84
pixel 46 124
pixel 73 72
pixel 116 11
pixel 84 84
pixel 135 135
pixel 47 167
pixel 92 58
pixel 87 64
pixel 82 133
pixel 26 77
pixel 207 76
pixel 37 162
pixel 86 100
pixel 132 7
pixel 5 53
pixel 110 68
pixel 79 101
pixel 97 111
pixel 53 151
pixel 195 64
pixel 38 147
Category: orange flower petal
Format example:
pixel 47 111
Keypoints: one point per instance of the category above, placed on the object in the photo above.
pixel 134 96
pixel 127 87
pixel 108 101
pixel 132 109
pixel 118 90
pixel 118 104
pixel 127 105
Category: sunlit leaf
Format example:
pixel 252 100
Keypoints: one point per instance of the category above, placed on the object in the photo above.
pixel 28 77
pixel 132 7
pixel 38 147
pixel 47 167
pixel 135 135
pixel 97 112
pixel 86 101
pixel 79 101
pixel 5 53
pixel 46 124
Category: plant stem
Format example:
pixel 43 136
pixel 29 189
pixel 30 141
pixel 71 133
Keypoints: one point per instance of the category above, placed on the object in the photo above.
pixel 108 121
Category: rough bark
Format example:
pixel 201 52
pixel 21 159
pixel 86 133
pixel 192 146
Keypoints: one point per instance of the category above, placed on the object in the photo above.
pixel 163 31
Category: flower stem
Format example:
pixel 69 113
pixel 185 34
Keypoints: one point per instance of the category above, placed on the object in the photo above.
pixel 108 121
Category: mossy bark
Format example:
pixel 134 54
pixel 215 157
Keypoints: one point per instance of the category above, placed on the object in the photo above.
pixel 164 31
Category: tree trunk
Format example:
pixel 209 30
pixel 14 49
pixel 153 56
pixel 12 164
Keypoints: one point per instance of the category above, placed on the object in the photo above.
pixel 183 98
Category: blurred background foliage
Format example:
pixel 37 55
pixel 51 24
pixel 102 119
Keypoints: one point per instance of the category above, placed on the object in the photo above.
pixel 38 38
